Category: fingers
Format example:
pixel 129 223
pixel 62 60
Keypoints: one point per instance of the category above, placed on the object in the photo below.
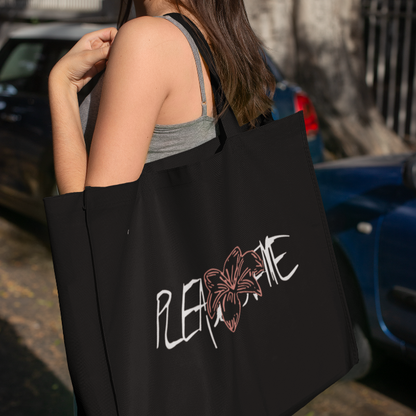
pixel 98 38
pixel 88 63
pixel 95 55
pixel 94 70
pixel 109 35
pixel 99 66
pixel 87 57
pixel 105 35
pixel 94 40
pixel 81 67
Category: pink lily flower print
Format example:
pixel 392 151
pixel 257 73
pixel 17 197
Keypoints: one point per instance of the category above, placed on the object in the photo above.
pixel 236 278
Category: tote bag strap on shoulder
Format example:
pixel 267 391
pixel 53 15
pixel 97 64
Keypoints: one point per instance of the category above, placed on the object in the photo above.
pixel 228 122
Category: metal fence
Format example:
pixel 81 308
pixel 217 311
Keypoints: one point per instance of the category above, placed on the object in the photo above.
pixel 390 45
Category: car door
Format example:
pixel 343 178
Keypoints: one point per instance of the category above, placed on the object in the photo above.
pixel 397 269
pixel 25 128
pixel 9 165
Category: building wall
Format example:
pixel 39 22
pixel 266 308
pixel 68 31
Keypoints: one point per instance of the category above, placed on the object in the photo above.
pixel 80 10
pixel 15 14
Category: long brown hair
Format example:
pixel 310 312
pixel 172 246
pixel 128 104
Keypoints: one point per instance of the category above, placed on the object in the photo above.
pixel 248 84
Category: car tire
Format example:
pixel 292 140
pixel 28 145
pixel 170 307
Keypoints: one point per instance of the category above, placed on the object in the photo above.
pixel 369 357
pixel 54 191
pixel 365 356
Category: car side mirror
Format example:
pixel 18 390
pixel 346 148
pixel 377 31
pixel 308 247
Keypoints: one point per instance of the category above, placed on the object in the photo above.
pixel 409 172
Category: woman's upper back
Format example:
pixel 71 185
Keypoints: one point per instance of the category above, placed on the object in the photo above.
pixel 151 78
pixel 172 138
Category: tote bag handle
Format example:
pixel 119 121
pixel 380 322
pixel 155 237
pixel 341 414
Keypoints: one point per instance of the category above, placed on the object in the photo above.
pixel 227 122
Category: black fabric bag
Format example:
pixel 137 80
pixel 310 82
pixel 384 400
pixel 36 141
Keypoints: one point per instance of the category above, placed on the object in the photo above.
pixel 206 287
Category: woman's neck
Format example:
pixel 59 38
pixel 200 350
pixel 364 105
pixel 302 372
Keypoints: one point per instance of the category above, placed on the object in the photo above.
pixel 153 7
pixel 161 7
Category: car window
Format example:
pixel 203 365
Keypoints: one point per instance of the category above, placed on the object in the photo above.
pixel 22 62
pixel 22 69
pixel 25 65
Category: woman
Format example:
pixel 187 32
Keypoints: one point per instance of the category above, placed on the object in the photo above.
pixel 150 104
pixel 157 261
pixel 150 81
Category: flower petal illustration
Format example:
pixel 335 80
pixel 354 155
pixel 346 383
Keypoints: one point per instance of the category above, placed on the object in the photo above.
pixel 251 260
pixel 231 310
pixel 231 266
pixel 251 265
pixel 248 284
pixel 217 286
pixel 224 287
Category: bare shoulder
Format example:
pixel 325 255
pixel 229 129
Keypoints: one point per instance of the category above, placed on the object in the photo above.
pixel 152 32
pixel 153 48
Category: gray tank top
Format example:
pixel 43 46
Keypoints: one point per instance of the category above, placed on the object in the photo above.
pixel 168 139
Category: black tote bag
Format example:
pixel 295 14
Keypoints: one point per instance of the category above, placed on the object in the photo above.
pixel 206 287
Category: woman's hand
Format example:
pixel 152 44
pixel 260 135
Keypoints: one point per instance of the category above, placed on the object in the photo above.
pixel 88 57
pixel 68 76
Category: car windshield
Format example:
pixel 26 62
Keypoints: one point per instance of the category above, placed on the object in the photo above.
pixel 25 65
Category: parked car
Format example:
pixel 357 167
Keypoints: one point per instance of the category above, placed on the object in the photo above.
pixel 26 159
pixel 370 204
pixel 289 98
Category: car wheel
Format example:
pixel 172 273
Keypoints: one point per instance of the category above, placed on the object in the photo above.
pixel 369 357
pixel 54 191
pixel 365 356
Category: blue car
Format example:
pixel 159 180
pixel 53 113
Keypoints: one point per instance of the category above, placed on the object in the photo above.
pixel 26 160
pixel 370 204
pixel 290 98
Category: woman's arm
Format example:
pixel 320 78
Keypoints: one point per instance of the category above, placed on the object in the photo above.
pixel 137 81
pixel 145 65
pixel 68 76
pixel 69 152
